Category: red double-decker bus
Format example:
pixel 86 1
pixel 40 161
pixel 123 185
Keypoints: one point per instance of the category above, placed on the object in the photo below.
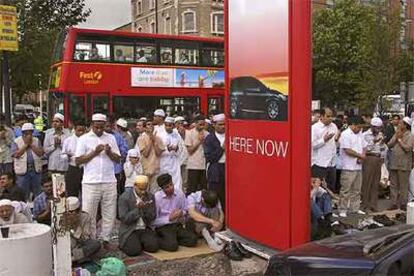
pixel 125 74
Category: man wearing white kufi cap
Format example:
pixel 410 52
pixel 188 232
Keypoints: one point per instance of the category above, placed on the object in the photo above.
pixel 400 163
pixel 27 152
pixel 57 162
pixel 371 167
pixel 98 151
pixel 122 126
pixel 8 215
pixel 214 151
pixel 82 244
pixel 159 116
pixel 183 153
pixel 169 161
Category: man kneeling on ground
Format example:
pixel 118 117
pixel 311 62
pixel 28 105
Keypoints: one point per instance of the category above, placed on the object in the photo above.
pixel 171 207
pixel 79 225
pixel 206 216
pixel 136 209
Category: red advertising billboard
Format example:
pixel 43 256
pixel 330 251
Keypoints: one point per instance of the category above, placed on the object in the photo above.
pixel 268 52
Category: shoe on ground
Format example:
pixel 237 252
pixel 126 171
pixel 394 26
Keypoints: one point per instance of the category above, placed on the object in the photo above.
pixel 334 215
pixel 342 214
pixel 245 253
pixel 360 212
pixel 232 252
pixel 403 207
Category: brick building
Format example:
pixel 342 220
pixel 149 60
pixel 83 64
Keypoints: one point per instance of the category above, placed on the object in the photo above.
pixel 178 17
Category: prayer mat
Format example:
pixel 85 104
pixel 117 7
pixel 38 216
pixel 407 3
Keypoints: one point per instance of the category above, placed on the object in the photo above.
pixel 183 252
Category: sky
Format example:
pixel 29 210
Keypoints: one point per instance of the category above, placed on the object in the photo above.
pixel 107 14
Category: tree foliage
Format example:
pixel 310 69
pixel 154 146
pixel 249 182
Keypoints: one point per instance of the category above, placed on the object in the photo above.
pixel 356 53
pixel 39 22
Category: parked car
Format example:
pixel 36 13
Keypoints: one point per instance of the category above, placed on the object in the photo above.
pixel 382 251
pixel 251 99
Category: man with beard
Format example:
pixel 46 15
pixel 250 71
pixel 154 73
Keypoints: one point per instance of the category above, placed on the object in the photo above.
pixel 151 148
pixel 169 161
pixel 8 215
pixel 98 152
pixel 196 164
pixel 79 225
pixel 214 151
pixel 137 211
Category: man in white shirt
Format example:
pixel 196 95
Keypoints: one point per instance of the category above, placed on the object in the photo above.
pixel 170 159
pixel 97 151
pixel 353 148
pixel 324 134
pixel 57 162
pixel 73 177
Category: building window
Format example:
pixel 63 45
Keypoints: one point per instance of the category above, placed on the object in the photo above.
pixel 152 27
pixel 167 25
pixel 189 21
pixel 139 29
pixel 151 4
pixel 139 7
pixel 217 23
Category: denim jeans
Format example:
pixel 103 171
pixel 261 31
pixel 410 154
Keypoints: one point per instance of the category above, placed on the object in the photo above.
pixel 30 182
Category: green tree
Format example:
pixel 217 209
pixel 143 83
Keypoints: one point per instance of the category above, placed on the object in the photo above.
pixel 355 53
pixel 39 23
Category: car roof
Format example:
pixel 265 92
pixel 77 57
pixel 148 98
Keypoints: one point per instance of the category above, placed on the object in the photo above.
pixel 352 246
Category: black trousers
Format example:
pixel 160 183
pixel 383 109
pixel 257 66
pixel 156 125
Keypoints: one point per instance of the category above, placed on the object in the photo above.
pixel 170 236
pixel 196 181
pixel 120 182
pixel 219 187
pixel 73 180
pixel 141 240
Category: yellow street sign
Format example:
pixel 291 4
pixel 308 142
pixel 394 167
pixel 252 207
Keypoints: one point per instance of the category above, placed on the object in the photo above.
pixel 8 28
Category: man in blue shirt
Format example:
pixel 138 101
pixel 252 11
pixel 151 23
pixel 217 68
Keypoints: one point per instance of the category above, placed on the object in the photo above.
pixel 41 204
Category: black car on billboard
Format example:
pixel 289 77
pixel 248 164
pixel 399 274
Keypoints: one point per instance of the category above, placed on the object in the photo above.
pixel 251 99
pixel 383 251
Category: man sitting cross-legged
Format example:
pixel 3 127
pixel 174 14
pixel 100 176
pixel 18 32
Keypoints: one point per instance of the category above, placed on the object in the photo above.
pixel 206 216
pixel 136 208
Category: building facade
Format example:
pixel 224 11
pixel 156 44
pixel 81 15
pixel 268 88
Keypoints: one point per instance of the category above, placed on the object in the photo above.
pixel 178 17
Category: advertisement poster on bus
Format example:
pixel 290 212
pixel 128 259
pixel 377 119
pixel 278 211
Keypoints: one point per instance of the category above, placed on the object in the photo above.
pixel 259 82
pixel 152 77
pixel 186 78
pixel 199 78
pixel 258 161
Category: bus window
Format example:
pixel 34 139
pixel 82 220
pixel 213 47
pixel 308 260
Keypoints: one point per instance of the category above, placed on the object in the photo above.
pixel 135 107
pixel 92 51
pixel 166 55
pixel 186 56
pixel 124 53
pixel 145 53
pixel 77 107
pixel 213 57
pixel 100 104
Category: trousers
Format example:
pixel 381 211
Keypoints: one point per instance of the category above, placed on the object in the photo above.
pixel 30 182
pixel 104 194
pixel 399 181
pixel 350 193
pixel 196 181
pixel 141 240
pixel 371 176
pixel 170 236
pixel 73 180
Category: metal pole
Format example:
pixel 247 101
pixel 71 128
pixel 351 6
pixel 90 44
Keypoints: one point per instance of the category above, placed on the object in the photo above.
pixel 6 85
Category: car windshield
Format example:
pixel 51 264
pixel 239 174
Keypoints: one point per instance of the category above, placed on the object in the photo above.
pixel 376 245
